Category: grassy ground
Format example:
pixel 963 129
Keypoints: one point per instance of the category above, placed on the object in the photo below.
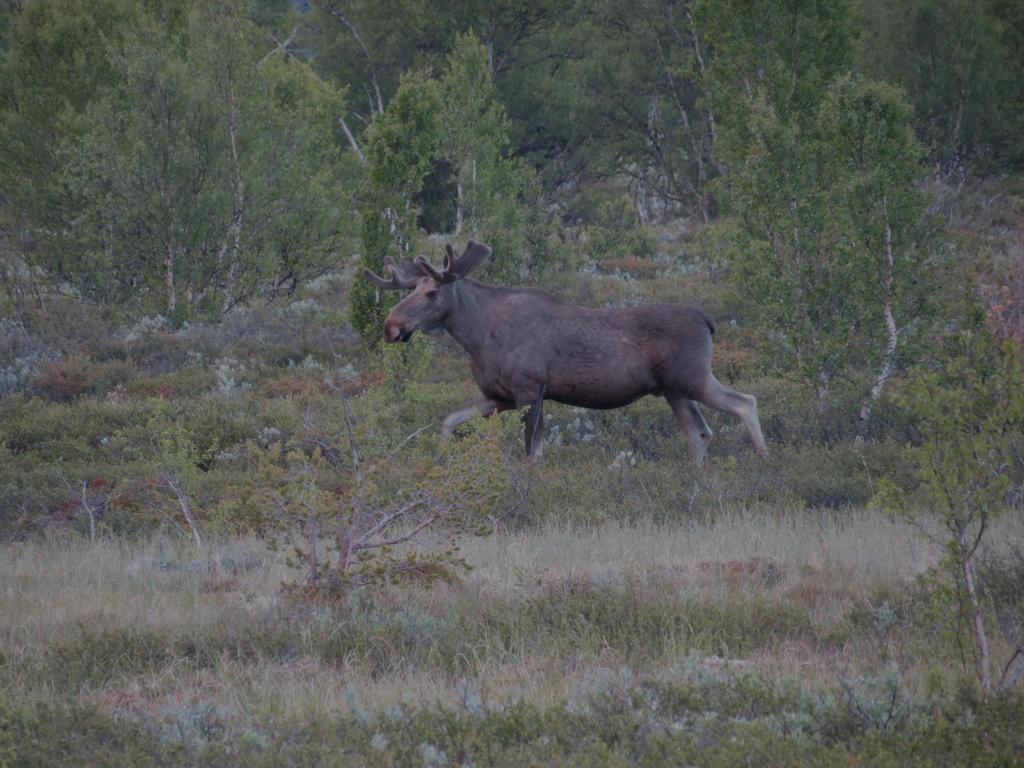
pixel 750 617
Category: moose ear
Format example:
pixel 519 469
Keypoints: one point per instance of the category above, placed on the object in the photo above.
pixel 474 255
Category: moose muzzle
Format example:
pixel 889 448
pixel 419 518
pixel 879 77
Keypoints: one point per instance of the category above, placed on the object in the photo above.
pixel 395 330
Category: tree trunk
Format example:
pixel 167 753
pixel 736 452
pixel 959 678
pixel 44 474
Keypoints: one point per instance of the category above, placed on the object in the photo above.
pixel 352 140
pixel 891 332
pixel 823 391
pixel 235 230
pixel 459 210
pixel 175 484
pixel 172 295
pixel 374 79
pixel 698 187
pixel 702 69
pixel 977 620
pixel 84 499
pixel 314 560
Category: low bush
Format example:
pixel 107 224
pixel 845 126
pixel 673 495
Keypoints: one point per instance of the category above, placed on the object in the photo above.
pixel 67 380
pixel 638 726
pixel 639 627
pixel 93 659
pixel 188 382
pixel 618 235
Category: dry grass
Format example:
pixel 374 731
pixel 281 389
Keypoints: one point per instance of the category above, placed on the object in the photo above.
pixel 864 544
pixel 818 564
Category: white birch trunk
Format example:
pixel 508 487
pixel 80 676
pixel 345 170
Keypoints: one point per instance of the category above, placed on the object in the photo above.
pixel 352 140
pixel 459 210
pixel 172 294
pixel 235 230
pixel 891 331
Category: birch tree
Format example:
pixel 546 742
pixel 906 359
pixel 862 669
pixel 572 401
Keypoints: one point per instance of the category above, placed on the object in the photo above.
pixel 203 178
pixel 824 173
pixel 56 61
pixel 971 460
pixel 402 145
pixel 875 162
pixel 495 192
pixel 770 70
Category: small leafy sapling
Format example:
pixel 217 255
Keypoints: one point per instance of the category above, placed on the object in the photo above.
pixel 172 457
pixel 87 498
pixel 971 461
pixel 384 509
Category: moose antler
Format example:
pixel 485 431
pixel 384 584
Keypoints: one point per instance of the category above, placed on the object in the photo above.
pixel 407 273
pixel 455 267
pixel 403 276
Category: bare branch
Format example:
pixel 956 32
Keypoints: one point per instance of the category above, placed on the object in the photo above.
pixel 171 480
pixel 425 523
pixel 349 429
pixel 334 11
pixel 352 140
pixel 389 520
pixel 1006 680
pixel 282 48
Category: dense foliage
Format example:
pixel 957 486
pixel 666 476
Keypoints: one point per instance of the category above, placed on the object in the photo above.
pixel 182 157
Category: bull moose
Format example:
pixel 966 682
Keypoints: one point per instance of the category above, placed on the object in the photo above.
pixel 526 347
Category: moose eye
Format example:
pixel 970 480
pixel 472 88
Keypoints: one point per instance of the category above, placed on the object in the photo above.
pixel 432 294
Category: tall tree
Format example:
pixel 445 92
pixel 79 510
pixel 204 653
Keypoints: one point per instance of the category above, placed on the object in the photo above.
pixel 770 68
pixel 474 129
pixel 402 144
pixel 492 188
pixel 202 171
pixel 359 41
pixel 971 418
pixel 823 176
pixel 55 63
pixel 873 160
pixel 635 101
pixel 962 66
pixel 453 127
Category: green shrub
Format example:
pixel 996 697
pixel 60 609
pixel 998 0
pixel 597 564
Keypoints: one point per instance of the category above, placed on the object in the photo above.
pixel 92 659
pixel 77 735
pixel 618 238
pixel 637 726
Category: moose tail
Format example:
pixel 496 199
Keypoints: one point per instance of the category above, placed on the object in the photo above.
pixel 707 319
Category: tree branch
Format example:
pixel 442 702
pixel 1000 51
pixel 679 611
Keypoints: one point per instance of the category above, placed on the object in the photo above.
pixel 352 140
pixel 374 80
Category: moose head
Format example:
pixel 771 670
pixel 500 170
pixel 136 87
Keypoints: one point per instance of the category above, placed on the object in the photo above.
pixel 433 290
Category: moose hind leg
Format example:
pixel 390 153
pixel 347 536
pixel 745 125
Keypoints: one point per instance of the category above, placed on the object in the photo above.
pixel 744 407
pixel 482 406
pixel 691 422
pixel 534 431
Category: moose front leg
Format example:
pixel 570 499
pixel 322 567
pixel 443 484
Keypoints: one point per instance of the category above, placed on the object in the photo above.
pixel 482 406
